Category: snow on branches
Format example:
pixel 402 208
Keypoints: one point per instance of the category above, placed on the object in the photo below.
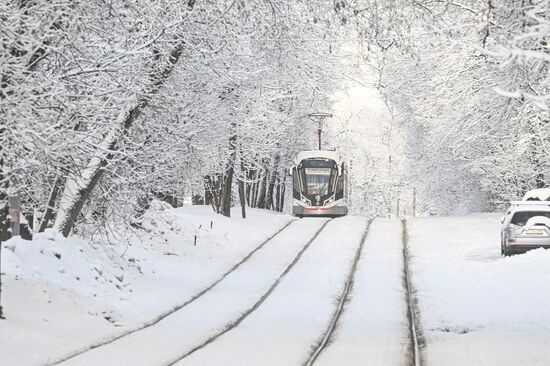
pixel 105 106
pixel 468 83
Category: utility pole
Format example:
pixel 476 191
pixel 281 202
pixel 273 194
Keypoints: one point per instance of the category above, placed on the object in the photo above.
pixel 398 198
pixel 319 117
pixel 414 201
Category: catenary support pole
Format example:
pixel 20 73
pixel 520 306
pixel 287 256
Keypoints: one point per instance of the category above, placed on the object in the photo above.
pixel 414 202
pixel 319 132
pixel 3 235
pixel 319 117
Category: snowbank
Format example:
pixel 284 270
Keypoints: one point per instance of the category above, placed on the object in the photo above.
pixel 62 293
pixel 539 194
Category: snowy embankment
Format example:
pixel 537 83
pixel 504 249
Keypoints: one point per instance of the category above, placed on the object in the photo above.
pixel 61 294
pixel 478 307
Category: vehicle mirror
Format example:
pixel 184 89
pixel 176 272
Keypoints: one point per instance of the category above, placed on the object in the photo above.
pixel 290 171
pixel 502 219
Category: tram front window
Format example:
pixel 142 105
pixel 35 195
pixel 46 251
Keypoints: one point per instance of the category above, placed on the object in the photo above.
pixel 318 178
pixel 318 181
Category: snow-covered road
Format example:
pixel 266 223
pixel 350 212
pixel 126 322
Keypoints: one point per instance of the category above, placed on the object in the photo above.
pixel 478 308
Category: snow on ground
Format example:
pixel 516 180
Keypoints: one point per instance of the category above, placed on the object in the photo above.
pixel 61 294
pixel 192 325
pixel 478 308
pixel 285 327
pixel 374 324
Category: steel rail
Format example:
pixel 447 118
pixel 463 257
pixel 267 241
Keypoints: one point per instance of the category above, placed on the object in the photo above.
pixel 346 291
pixel 412 309
pixel 236 322
pixel 171 311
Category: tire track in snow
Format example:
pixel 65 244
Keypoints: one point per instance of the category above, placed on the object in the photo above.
pixel 235 323
pixel 176 308
pixel 342 299
pixel 413 313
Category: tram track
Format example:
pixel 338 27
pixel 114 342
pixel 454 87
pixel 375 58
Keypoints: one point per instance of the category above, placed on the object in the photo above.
pixel 416 341
pixel 342 299
pixel 413 334
pixel 236 322
pixel 174 309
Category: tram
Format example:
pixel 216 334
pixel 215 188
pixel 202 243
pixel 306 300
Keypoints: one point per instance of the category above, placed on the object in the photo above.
pixel 320 184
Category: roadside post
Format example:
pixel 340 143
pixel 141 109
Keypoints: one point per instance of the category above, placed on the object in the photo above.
pixel 35 223
pixel 14 203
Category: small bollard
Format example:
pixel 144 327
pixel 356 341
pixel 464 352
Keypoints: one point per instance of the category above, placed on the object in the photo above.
pixel 211 224
pixel 195 243
pixel 35 223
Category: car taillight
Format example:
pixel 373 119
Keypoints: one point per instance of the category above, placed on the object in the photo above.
pixel 511 241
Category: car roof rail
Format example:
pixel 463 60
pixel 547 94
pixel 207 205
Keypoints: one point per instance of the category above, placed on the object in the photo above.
pixel 534 203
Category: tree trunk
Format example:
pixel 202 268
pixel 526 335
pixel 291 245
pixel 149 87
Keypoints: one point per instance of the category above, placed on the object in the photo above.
pixel 282 189
pixel 78 188
pixel 4 182
pixel 270 190
pixel 226 193
pixel 263 191
pixel 48 215
pixel 277 194
pixel 248 187
pixel 242 196
pixel 271 187
pixel 228 181
pixel 254 193
pixel 213 187
pixel 3 233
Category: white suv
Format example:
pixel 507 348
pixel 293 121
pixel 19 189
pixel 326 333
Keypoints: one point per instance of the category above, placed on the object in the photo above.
pixel 525 226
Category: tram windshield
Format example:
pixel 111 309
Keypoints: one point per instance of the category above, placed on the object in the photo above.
pixel 318 181
pixel 319 175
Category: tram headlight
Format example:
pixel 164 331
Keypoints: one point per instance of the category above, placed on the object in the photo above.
pixel 330 200
pixel 306 201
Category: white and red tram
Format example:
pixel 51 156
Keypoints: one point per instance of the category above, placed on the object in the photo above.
pixel 320 184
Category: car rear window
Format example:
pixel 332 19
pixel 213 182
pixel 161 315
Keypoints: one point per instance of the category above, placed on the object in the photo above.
pixel 520 218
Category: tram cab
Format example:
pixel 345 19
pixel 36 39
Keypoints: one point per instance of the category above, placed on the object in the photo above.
pixel 320 184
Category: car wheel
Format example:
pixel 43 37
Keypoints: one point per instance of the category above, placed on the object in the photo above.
pixel 504 250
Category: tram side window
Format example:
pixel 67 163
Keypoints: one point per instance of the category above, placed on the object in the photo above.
pixel 339 188
pixel 296 184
